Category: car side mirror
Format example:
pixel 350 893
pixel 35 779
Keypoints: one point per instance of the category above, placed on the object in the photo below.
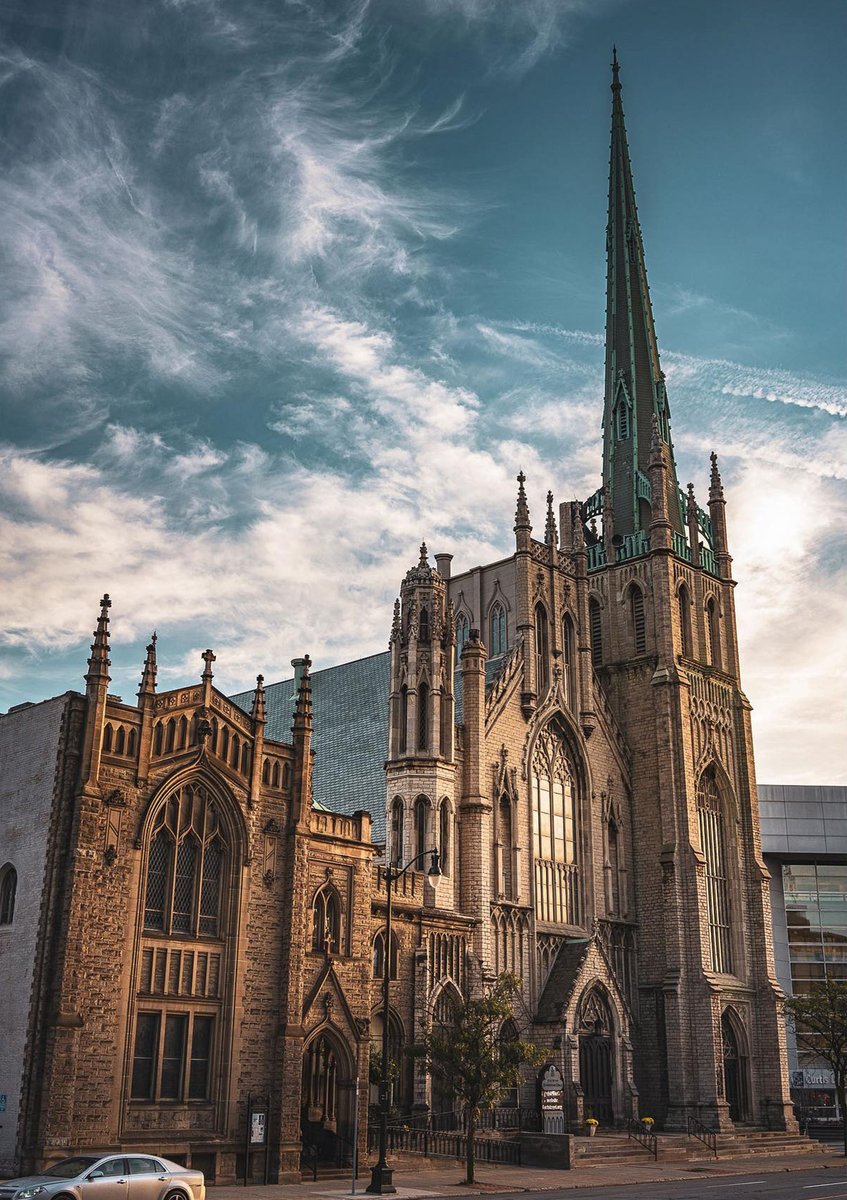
pixel 95 1175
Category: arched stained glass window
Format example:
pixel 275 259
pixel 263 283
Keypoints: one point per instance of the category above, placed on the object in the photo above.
pixel 186 865
pixel 444 822
pixel 497 630
pixel 423 810
pixel 556 880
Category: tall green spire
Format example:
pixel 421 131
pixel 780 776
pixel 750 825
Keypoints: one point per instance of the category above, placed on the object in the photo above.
pixel 635 384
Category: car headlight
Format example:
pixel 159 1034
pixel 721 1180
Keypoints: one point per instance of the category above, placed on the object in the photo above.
pixel 28 1193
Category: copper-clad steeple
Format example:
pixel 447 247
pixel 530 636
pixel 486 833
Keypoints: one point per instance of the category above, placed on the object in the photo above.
pixel 635 384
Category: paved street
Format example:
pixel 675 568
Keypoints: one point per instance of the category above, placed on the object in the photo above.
pixel 785 1178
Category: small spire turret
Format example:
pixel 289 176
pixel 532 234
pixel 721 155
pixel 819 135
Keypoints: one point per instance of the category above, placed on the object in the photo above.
pixel 715 483
pixel 693 522
pixel 148 674
pixel 523 528
pixel 99 661
pixel 258 711
pixel 551 534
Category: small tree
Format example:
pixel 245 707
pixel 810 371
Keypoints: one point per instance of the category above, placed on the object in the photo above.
pixel 819 1021
pixel 468 1055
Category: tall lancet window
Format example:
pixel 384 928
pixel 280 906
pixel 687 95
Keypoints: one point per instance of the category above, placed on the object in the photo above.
pixel 423 626
pixel 423 716
pixel 639 624
pixel 713 632
pixel 397 816
pixel 542 658
pixel 595 626
pixel 497 631
pixel 569 661
pixel 462 633
pixel 713 845
pixel 403 731
pixel 684 602
pixel 556 879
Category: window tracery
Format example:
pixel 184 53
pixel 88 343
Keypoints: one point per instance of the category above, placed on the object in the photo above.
pixel 186 865
pixel 556 881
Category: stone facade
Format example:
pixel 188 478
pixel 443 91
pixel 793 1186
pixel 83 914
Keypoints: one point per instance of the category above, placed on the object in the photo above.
pixel 565 728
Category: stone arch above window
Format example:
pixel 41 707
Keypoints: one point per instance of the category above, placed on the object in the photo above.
pixel 595 1011
pixel 8 893
pixel 446 1006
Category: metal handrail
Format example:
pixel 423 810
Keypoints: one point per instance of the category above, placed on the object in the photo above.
pixel 645 1137
pixel 707 1136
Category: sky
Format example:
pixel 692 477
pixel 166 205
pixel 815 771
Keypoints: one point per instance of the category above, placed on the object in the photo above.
pixel 289 285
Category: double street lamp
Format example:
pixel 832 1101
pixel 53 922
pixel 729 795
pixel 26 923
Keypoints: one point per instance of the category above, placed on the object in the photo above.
pixel 381 1174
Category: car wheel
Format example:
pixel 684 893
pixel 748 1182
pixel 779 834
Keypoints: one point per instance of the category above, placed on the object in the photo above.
pixel 175 1195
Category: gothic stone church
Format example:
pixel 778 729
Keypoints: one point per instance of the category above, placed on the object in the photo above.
pixel 192 887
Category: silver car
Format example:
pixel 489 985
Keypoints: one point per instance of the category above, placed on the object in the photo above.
pixel 108 1177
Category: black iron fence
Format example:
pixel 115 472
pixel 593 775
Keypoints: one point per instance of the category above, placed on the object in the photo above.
pixel 708 1137
pixel 439 1143
pixel 644 1136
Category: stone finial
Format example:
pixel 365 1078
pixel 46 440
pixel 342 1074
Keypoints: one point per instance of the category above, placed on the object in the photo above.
pixel 551 535
pixel 578 529
pixel 395 623
pixel 303 705
pixel 148 674
pixel 208 658
pixel 424 560
pixel 258 712
pixel 99 662
pixel 715 484
pixel 522 508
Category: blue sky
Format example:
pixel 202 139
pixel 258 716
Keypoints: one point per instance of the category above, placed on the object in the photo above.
pixel 289 286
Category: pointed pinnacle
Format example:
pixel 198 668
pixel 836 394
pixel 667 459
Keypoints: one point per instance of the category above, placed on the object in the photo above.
pixel 522 508
pixel 148 674
pixel 98 662
pixel 258 713
pixel 424 560
pixel 303 705
pixel 551 535
pixel 692 502
pixel 715 484
pixel 615 69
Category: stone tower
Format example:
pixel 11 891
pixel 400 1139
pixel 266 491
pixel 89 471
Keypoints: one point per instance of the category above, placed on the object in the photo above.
pixel 664 647
pixel 420 768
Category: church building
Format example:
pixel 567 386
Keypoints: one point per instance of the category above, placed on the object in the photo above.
pixel 192 887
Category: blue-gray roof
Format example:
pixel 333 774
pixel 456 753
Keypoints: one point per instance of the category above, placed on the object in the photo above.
pixel 350 739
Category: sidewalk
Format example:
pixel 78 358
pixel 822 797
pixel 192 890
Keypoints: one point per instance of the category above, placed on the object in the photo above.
pixel 438 1180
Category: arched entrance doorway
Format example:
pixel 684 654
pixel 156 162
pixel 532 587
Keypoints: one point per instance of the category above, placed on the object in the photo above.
pixel 443 1095
pixel 735 1070
pixel 326 1101
pixel 596 1060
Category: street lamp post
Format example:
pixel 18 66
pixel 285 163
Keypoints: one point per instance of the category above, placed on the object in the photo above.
pixel 381 1174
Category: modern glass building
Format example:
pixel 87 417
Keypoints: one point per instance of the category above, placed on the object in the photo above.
pixel 804 842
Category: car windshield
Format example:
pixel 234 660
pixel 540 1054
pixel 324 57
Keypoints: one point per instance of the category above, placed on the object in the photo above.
pixel 69 1167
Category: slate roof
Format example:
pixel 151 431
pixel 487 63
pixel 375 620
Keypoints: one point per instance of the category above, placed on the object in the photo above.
pixel 560 981
pixel 350 739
